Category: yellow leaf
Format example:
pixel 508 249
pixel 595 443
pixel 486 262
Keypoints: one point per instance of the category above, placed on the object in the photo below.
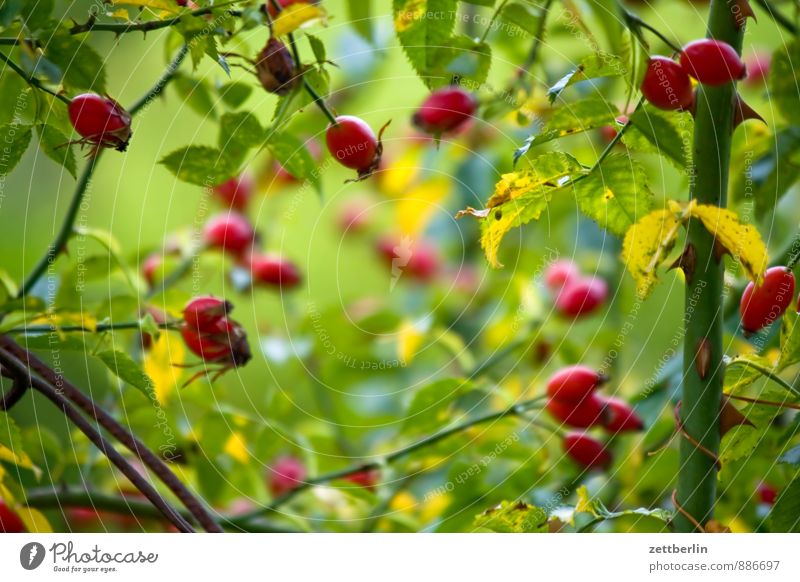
pixel 742 241
pixel 409 339
pixel 403 501
pixel 168 6
pixel 399 176
pixel 296 15
pixel 418 205
pixel 647 245
pixel 34 521
pixel 161 364
pixel 236 447
pixel 19 458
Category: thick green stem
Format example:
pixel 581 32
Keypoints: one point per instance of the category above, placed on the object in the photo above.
pixel 703 367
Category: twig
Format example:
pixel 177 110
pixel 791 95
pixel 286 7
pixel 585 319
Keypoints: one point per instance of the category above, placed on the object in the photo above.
pixel 131 442
pixel 32 81
pixel 512 411
pixel 100 328
pixel 778 17
pixel 147 26
pixel 22 373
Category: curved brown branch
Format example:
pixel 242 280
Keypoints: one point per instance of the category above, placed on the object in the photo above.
pixel 128 440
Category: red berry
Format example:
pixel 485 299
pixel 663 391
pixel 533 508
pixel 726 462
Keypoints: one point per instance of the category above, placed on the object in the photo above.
pixel 236 192
pixel 582 297
pixel 579 414
pixel 767 493
pixel 560 273
pixel 574 383
pixel 150 268
pixel 274 270
pixel 285 474
pixel 418 260
pixel 9 520
pixel 762 305
pixel 230 231
pixel 367 478
pixel 609 132
pixel 586 451
pixel 712 62
pixel 100 120
pixel 758 69
pixel 225 343
pixel 666 85
pixel 203 313
pixel 620 417
pixel 284 175
pixel 445 110
pixel 354 217
pixel 352 142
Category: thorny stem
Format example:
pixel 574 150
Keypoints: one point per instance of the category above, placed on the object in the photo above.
pixel 125 437
pixel 703 368
pixel 21 370
pixel 516 410
pixel 146 26
pixel 100 328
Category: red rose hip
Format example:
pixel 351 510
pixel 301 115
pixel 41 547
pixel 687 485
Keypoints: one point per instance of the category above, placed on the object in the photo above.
pixel 583 414
pixel 586 451
pixel 574 383
pixel 352 142
pixel 620 417
pixel 9 520
pixel 236 192
pixel 445 110
pixel 712 62
pixel 762 305
pixel 203 313
pixel 561 273
pixel 100 120
pixel 582 297
pixel 224 343
pixel 230 232
pixel 274 271
pixel 666 85
pixel 285 474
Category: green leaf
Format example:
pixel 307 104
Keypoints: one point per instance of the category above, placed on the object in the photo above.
pixel 359 15
pixel 318 48
pixel 432 405
pixel 234 94
pixel 591 67
pixel 81 67
pixel 784 81
pixel 785 514
pixel 523 15
pixel 56 146
pixel 127 370
pixel 15 139
pixel 196 94
pixel 36 13
pixel 597 508
pixel 461 58
pixel 615 194
pixel 199 165
pixel 11 445
pixel 106 239
pixel 480 2
pixel 422 26
pixel 571 119
pixel 238 133
pixel 295 157
pixel 667 133
pixel 14 94
pixel 9 10
pixel 513 517
pixel 790 339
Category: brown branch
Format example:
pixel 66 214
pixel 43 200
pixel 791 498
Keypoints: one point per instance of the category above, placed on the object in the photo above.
pixel 124 436
pixel 22 373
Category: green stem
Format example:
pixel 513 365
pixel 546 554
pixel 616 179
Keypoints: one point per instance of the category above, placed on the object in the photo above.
pixel 146 26
pixel 766 372
pixel 778 17
pixel 492 20
pixel 101 327
pixel 65 232
pixel 633 21
pixel 701 396
pixel 162 82
pixel 516 410
pixel 32 81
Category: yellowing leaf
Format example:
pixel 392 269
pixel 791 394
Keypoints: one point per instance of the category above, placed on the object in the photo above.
pixel 409 339
pixel 236 447
pixel 520 197
pixel 647 245
pixel 399 176
pixel 19 458
pixel 34 520
pixel 296 15
pixel 416 208
pixel 742 241
pixel 161 364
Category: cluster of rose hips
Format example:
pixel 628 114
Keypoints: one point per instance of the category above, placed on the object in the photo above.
pixel 572 399
pixel 575 294
pixel 667 83
pixel 763 304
